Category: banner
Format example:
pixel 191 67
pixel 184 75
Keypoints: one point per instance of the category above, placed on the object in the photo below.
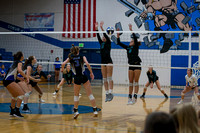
pixel 39 21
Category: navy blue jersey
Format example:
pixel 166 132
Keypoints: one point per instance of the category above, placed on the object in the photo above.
pixel 12 72
pixel 77 64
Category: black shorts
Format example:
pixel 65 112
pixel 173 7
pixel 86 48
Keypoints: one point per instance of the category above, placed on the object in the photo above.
pixel 7 82
pixel 135 68
pixel 58 69
pixel 33 84
pixel 106 61
pixel 78 79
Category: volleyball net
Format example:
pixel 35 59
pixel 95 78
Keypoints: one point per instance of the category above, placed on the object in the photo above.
pixel 170 53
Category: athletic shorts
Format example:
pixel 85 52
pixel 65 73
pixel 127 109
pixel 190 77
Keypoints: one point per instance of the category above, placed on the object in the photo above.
pixel 7 82
pixel 78 79
pixel 106 61
pixel 33 84
pixel 135 68
pixel 58 69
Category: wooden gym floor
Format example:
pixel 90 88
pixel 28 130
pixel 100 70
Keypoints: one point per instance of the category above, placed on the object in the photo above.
pixel 56 116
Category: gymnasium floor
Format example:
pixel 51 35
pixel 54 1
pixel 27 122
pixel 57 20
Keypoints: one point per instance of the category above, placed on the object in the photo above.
pixel 55 115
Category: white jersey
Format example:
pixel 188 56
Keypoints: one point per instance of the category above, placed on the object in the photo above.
pixel 192 80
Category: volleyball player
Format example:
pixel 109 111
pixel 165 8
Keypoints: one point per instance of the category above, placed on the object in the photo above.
pixel 37 75
pixel 67 77
pixel 77 61
pixel 191 84
pixel 57 69
pixel 133 59
pixel 15 90
pixel 105 48
pixel 28 68
pixel 153 78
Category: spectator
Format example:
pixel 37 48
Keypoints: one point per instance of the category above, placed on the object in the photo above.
pixel 57 69
pixel 2 71
pixel 159 122
pixel 185 117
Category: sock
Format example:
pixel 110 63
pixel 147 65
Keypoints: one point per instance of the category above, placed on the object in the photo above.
pixel 25 105
pixel 110 90
pixel 135 95
pixel 165 95
pixel 143 94
pixel 94 109
pixel 56 91
pixel 130 96
pixel 107 91
pixel 75 110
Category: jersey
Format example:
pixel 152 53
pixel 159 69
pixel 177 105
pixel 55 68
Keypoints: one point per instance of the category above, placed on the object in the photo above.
pixel 40 74
pixel 132 52
pixel 12 72
pixel 152 76
pixel 105 48
pixel 192 80
pixel 57 66
pixel 77 64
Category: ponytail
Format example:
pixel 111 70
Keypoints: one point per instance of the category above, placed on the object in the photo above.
pixel 73 51
pixel 18 55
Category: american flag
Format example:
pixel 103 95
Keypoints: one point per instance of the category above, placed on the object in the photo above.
pixel 79 15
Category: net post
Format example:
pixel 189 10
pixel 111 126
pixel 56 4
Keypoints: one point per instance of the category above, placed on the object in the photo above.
pixel 190 50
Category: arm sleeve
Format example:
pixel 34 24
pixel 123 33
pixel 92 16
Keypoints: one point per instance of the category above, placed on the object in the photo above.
pixel 99 38
pixel 121 44
pixel 107 38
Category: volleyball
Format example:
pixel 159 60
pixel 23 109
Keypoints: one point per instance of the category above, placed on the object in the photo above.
pixel 110 30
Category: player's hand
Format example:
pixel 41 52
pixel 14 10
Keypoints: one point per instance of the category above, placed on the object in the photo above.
pixel 101 24
pixel 92 76
pixel 96 25
pixel 62 70
pixel 27 80
pixel 143 14
pixel 130 27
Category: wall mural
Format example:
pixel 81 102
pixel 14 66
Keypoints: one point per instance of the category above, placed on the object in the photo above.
pixel 165 15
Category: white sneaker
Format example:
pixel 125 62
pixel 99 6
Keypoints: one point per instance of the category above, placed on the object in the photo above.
pixel 41 101
pixel 80 94
pixel 54 93
pixel 95 113
pixel 134 100
pixel 130 101
pixel 76 114
pixel 180 102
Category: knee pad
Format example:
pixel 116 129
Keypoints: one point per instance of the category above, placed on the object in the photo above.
pixel 76 98
pixel 130 84
pixel 27 94
pixel 197 94
pixel 21 97
pixel 59 86
pixel 136 84
pixel 91 97
pixel 14 98
pixel 109 79
pixel 104 80
pixel 182 94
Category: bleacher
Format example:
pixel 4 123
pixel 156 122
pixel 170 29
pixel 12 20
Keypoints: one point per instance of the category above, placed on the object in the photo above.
pixel 5 56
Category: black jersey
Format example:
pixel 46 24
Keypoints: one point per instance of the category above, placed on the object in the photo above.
pixel 77 64
pixel 39 74
pixel 105 48
pixel 69 74
pixel 132 52
pixel 25 68
pixel 12 72
pixel 152 76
